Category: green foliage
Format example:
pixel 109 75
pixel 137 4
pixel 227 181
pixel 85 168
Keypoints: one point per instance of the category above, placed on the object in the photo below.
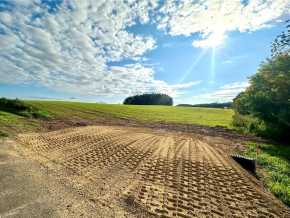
pixel 18 107
pixel 281 44
pixel 149 99
pixel 268 98
pixel 12 105
pixel 274 161
pixel 248 124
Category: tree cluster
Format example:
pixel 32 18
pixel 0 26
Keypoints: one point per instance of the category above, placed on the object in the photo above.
pixel 149 99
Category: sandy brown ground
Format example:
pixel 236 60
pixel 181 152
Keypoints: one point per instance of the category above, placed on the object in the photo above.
pixel 105 171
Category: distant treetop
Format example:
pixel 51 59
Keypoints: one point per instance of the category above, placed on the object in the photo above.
pixel 209 105
pixel 149 99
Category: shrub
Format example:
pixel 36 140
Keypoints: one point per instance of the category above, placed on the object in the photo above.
pixel 19 107
pixel 149 99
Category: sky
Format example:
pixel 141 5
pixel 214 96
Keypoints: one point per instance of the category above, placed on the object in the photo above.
pixel 103 51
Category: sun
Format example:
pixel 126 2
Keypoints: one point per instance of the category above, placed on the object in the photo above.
pixel 216 39
pixel 213 39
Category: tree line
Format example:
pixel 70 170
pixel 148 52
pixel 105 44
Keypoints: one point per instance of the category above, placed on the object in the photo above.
pixel 209 105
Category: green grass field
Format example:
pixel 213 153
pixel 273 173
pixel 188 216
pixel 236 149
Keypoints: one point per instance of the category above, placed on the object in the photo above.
pixel 274 162
pixel 168 114
pixel 13 123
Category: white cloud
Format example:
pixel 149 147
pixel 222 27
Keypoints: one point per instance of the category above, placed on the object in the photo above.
pixel 186 85
pixel 69 50
pixel 224 93
pixel 143 82
pixel 212 19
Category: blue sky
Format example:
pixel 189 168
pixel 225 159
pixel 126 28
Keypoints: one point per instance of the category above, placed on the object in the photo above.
pixel 195 51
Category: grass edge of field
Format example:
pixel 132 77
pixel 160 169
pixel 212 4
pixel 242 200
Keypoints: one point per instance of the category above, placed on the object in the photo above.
pixel 273 169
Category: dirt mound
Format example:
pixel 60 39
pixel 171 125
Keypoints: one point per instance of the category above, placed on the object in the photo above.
pixel 137 172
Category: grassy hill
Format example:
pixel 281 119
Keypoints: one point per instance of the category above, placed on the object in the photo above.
pixel 181 115
pixel 93 111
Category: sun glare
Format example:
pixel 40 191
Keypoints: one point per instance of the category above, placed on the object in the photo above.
pixel 216 39
pixel 212 66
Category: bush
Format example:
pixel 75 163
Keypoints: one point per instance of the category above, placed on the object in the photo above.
pixel 248 124
pixel 12 105
pixel 18 107
pixel 149 99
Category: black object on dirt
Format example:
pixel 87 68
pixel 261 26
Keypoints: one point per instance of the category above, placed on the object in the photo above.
pixel 247 163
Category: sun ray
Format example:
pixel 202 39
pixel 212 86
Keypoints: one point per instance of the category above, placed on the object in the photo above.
pixel 212 65
pixel 192 66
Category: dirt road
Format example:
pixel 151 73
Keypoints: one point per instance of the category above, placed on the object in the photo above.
pixel 134 172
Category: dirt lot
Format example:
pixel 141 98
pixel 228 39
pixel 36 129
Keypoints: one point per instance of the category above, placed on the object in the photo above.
pixel 109 171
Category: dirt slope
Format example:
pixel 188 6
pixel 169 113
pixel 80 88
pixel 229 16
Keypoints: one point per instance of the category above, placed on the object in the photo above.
pixel 134 172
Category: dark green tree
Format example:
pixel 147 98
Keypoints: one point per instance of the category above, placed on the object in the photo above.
pixel 281 44
pixel 149 99
pixel 268 96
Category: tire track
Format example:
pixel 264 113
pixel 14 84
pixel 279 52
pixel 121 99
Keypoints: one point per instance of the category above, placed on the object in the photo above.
pixel 167 175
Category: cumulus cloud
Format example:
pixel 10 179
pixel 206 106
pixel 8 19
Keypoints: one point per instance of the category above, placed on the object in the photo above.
pixel 69 48
pixel 224 93
pixel 212 19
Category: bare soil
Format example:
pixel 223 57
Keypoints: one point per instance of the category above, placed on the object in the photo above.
pixel 29 189
pixel 113 171
pixel 216 131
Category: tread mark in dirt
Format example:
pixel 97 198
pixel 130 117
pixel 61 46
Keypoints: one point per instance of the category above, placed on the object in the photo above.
pixel 167 174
